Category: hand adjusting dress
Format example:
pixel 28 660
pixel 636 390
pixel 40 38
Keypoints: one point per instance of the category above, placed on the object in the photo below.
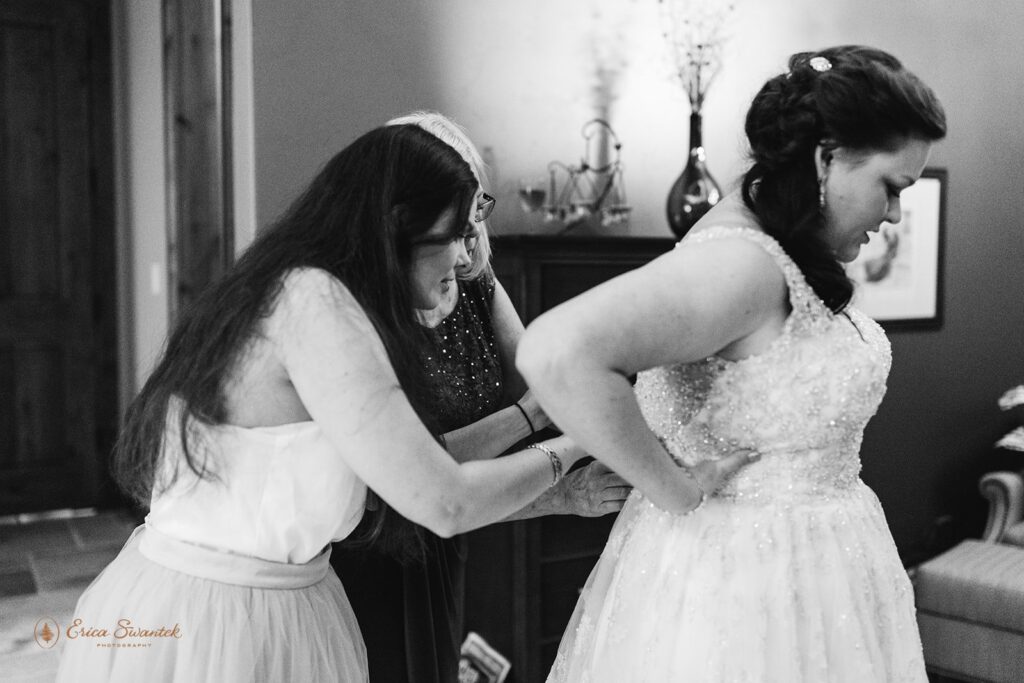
pixel 240 563
pixel 789 573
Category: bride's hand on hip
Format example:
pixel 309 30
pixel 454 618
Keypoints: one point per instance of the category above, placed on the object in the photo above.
pixel 710 475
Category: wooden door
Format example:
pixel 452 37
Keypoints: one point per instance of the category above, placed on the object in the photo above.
pixel 58 401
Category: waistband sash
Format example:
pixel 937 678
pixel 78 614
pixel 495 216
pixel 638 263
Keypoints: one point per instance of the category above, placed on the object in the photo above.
pixel 226 567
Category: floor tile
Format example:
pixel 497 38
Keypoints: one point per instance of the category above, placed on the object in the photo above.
pixel 109 528
pixel 16 560
pixel 52 534
pixel 34 667
pixel 48 564
pixel 55 570
pixel 19 616
pixel 17 582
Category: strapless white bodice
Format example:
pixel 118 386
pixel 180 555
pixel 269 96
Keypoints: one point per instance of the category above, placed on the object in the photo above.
pixel 279 493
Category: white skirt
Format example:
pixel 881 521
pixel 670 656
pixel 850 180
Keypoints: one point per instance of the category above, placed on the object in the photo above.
pixel 807 592
pixel 165 610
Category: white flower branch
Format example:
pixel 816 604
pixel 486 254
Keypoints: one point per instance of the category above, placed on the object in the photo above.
pixel 696 31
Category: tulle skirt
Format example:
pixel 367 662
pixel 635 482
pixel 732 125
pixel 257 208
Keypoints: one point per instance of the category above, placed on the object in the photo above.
pixel 179 612
pixel 800 592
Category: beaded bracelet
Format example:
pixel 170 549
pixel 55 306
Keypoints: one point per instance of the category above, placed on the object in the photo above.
pixel 525 417
pixel 556 462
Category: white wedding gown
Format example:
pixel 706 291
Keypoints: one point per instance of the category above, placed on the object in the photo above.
pixel 789 573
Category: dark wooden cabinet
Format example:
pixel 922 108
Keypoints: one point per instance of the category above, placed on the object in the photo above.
pixel 524 577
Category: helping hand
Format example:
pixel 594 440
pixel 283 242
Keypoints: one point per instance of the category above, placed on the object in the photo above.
pixel 594 490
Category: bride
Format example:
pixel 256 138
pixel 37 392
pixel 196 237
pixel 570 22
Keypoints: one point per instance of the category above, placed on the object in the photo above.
pixel 744 339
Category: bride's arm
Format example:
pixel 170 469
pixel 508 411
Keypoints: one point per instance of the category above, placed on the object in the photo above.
pixel 682 307
pixel 339 368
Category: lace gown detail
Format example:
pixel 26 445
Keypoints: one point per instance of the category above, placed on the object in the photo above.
pixel 789 572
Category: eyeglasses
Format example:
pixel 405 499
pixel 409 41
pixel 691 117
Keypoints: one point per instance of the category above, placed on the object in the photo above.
pixel 483 208
pixel 470 238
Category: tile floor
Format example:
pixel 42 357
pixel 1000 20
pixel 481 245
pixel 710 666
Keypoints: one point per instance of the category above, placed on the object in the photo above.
pixel 44 567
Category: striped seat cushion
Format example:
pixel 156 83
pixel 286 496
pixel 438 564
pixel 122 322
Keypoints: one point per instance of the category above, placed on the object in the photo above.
pixel 975 582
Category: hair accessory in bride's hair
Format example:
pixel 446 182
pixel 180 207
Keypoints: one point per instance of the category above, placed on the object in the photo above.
pixel 820 63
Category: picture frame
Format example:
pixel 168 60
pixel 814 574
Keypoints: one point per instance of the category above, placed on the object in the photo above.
pixel 481 663
pixel 898 274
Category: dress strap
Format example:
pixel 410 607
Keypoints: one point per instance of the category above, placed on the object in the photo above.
pixel 805 302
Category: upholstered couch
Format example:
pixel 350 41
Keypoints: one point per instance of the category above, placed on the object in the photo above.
pixel 970 599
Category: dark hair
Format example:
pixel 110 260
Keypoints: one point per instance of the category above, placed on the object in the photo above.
pixel 356 220
pixel 862 99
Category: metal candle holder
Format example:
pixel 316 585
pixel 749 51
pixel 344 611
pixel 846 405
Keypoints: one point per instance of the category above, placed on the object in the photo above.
pixel 575 194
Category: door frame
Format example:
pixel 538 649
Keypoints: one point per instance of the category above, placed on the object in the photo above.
pixel 141 179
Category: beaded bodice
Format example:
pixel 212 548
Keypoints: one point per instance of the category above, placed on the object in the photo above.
pixel 803 403
pixel 464 365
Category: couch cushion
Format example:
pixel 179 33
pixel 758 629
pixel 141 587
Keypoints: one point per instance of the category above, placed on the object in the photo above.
pixel 975 581
pixel 969 651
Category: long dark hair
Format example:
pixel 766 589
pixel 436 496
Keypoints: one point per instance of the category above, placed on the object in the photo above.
pixel 863 100
pixel 356 220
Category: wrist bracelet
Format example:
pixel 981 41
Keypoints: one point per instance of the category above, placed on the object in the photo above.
pixel 556 462
pixel 525 417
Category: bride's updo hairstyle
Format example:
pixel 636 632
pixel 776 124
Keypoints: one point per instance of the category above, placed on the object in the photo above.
pixel 850 96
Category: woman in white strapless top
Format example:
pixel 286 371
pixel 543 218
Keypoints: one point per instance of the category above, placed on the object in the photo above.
pixel 291 386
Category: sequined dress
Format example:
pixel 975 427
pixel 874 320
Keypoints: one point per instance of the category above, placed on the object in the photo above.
pixel 789 573
pixel 412 615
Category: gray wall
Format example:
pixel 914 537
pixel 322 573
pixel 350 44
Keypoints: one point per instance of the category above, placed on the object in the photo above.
pixel 520 77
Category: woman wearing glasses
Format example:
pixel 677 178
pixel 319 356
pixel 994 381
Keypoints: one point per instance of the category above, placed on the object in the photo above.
pixel 410 607
pixel 291 386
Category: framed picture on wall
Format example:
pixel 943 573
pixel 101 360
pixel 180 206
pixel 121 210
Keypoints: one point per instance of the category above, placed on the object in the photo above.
pixel 898 274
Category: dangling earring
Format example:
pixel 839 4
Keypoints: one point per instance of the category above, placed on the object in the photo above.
pixel 821 193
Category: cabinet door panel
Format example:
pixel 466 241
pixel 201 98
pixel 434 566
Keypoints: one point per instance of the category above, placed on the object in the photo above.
pixel 560 585
pixel 565 537
pixel 562 281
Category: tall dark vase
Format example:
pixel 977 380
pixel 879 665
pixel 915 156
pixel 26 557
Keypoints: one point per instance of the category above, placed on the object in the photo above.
pixel 695 191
